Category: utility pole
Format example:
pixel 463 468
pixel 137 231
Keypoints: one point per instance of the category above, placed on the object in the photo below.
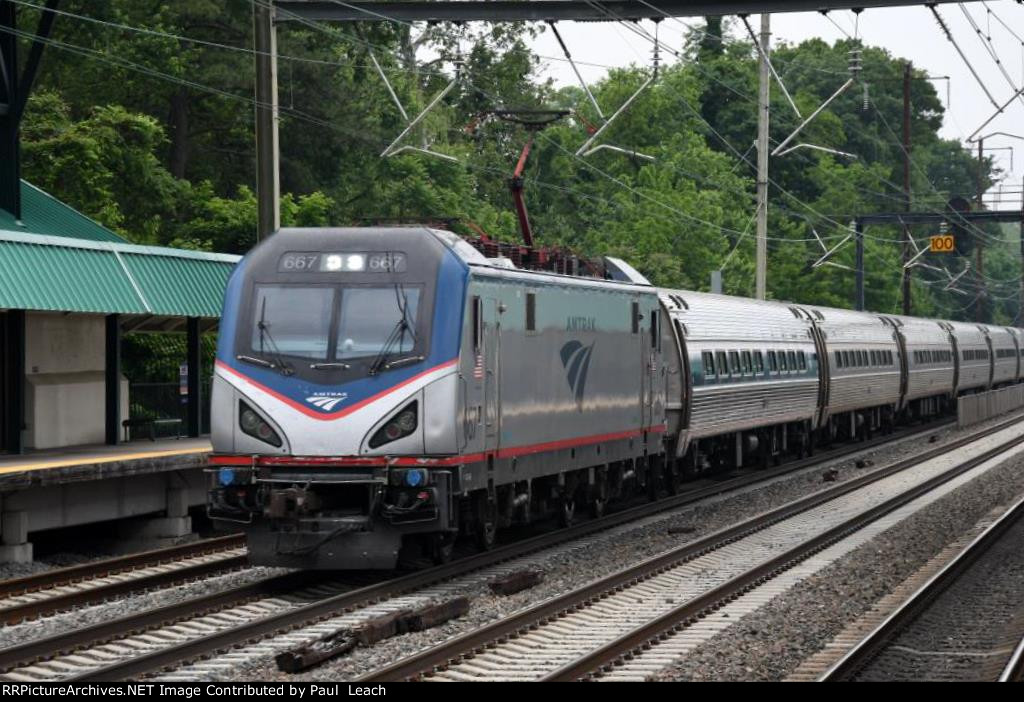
pixel 268 178
pixel 907 303
pixel 979 255
pixel 763 117
pixel 10 173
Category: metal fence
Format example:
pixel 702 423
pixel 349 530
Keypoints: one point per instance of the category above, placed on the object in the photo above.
pixel 165 401
pixel 971 409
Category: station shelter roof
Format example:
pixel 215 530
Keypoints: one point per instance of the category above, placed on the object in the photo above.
pixel 57 259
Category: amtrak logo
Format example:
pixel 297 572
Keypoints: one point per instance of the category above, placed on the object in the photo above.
pixel 327 403
pixel 576 360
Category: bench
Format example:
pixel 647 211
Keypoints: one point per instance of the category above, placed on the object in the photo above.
pixel 152 425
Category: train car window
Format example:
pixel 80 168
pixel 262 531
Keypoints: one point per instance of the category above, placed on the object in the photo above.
pixel 892 361
pixel 782 361
pixel 636 317
pixel 748 367
pixel 531 311
pixel 839 359
pixel 709 364
pixel 792 360
pixel 734 363
pixel 723 367
pixel 758 362
pixel 802 360
pixel 773 362
pixel 846 359
pixel 873 357
pixel 478 323
pixel 655 335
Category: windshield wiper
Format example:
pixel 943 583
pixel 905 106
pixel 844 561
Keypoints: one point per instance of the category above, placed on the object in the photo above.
pixel 256 361
pixel 397 335
pixel 265 334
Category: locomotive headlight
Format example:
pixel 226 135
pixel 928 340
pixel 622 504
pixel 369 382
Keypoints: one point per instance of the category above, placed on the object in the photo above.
pixel 401 425
pixel 253 425
pixel 356 262
pixel 415 478
pixel 406 421
pixel 250 421
pixel 333 263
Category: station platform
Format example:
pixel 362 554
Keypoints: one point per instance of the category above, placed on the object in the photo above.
pixel 96 462
pixel 143 488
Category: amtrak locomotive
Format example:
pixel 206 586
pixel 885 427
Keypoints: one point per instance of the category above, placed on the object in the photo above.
pixel 383 390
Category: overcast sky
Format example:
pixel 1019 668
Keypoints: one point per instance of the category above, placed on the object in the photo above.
pixel 910 32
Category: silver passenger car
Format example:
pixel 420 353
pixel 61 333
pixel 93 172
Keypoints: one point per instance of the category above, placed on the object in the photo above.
pixel 863 362
pixel 972 348
pixel 1005 355
pixel 749 364
pixel 930 363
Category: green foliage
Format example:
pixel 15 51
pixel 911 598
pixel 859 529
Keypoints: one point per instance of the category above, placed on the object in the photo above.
pixel 148 151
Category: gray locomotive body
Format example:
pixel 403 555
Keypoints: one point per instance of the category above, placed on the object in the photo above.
pixel 387 389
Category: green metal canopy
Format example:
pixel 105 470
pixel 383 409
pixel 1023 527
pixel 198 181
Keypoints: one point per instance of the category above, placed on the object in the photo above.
pixel 75 275
pixel 42 213
pixel 57 259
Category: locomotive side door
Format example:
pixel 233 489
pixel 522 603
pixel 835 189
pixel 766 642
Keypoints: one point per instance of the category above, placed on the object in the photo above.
pixel 492 373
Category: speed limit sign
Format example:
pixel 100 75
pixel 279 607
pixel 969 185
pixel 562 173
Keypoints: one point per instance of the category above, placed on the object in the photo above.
pixel 942 244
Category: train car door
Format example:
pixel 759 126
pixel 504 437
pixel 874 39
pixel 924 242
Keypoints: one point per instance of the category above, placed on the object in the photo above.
pixel 651 366
pixel 492 373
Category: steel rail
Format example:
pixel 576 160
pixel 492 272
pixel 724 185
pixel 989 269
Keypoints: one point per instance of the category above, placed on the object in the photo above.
pixel 475 641
pixel 17 656
pixel 1014 670
pixel 14 614
pixel 869 647
pixel 119 564
pixel 47 648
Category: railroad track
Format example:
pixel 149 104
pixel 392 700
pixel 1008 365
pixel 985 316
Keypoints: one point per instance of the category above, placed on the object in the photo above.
pixel 949 626
pixel 63 589
pixel 244 615
pixel 631 623
pixel 1014 669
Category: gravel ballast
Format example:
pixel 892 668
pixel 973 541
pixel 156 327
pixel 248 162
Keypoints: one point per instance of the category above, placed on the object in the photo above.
pixel 968 633
pixel 566 567
pixel 570 566
pixel 769 643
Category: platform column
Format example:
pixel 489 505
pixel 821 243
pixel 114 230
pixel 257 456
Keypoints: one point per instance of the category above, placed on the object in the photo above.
pixel 15 547
pixel 12 364
pixel 195 385
pixel 145 533
pixel 113 379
